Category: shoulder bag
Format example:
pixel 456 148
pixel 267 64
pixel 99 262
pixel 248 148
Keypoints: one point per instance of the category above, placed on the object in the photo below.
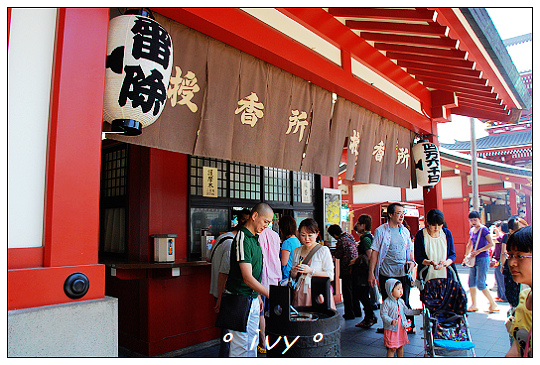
pixel 234 310
pixel 300 298
pixel 469 260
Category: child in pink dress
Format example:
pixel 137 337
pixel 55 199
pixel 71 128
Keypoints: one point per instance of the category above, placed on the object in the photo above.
pixel 393 313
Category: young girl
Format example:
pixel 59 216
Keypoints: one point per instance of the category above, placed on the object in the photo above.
pixel 393 313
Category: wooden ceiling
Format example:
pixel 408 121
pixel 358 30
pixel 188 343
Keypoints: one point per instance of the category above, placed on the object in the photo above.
pixel 418 42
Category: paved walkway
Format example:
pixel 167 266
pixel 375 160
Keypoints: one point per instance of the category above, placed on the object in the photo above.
pixel 488 331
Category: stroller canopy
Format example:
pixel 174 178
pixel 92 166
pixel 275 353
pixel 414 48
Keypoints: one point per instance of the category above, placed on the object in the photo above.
pixel 444 295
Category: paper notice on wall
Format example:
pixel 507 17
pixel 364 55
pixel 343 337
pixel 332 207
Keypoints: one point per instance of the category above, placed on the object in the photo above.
pixel 210 182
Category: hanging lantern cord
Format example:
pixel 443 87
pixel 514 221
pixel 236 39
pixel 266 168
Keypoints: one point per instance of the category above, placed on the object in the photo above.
pixel 140 11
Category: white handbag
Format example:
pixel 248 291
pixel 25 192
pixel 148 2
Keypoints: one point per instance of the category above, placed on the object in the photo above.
pixel 469 260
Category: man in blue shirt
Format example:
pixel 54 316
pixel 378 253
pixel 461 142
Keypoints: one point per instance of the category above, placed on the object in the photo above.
pixel 392 254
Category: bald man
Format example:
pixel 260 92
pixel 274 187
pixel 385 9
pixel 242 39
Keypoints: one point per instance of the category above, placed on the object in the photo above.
pixel 245 277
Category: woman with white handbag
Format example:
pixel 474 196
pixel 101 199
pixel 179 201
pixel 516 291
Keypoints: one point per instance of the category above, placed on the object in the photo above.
pixel 477 258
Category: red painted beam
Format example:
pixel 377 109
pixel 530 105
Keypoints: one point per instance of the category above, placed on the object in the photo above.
pixel 444 81
pixel 448 173
pixel 240 30
pixel 444 43
pixel 421 14
pixel 405 28
pixel 462 89
pixel 440 68
pixel 440 114
pixel 448 76
pixel 479 98
pixel 329 28
pixel 483 106
pixel 445 53
pixel 468 65
pixel 443 98
pixel 37 287
pixel 27 257
pixel 480 114
pixel 466 169
pixel 487 188
pixel 448 17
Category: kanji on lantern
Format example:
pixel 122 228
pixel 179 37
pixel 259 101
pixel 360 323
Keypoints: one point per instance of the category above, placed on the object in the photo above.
pixel 144 91
pixel 151 41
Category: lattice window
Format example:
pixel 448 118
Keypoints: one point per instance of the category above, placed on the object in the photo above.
pixel 245 180
pixel 297 185
pixel 196 169
pixel 114 197
pixel 114 173
pixel 277 184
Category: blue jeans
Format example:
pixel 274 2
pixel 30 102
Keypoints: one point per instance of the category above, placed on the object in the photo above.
pixel 478 273
pixel 499 279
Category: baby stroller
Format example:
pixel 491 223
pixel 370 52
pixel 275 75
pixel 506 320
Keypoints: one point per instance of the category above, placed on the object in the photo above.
pixel 445 326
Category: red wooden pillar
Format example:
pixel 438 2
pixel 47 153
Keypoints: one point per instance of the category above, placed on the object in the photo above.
pixel 403 194
pixel 513 202
pixel 433 196
pixel 528 208
pixel 71 229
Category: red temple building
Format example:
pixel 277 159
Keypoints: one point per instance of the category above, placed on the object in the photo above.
pixel 85 208
pixel 507 142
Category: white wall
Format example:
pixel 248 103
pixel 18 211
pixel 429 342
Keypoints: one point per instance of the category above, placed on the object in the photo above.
pixel 30 56
pixel 415 194
pixel 451 187
pixel 371 193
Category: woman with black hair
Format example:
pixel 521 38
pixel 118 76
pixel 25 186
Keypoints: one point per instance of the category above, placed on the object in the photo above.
pixel 519 257
pixel 434 246
pixel 479 243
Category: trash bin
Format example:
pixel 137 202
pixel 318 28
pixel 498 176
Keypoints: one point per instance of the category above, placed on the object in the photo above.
pixel 304 331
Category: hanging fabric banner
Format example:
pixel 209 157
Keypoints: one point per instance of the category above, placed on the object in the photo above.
pixel 294 126
pixel 359 117
pixel 328 134
pixel 216 128
pixel 224 103
pixel 176 128
pixel 370 149
pixel 404 163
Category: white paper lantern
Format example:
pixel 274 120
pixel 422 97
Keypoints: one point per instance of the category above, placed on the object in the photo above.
pixel 427 163
pixel 139 64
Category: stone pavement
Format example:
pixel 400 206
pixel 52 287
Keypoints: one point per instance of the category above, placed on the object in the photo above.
pixel 488 332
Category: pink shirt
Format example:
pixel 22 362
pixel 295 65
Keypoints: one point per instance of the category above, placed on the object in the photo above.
pixel 270 242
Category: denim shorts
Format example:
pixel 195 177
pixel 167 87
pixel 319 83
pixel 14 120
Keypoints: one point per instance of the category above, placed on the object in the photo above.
pixel 478 273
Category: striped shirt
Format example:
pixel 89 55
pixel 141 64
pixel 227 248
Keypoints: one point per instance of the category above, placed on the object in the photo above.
pixel 245 248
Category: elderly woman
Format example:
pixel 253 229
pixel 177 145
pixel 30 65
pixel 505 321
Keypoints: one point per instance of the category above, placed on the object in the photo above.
pixel 320 264
pixel 434 246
